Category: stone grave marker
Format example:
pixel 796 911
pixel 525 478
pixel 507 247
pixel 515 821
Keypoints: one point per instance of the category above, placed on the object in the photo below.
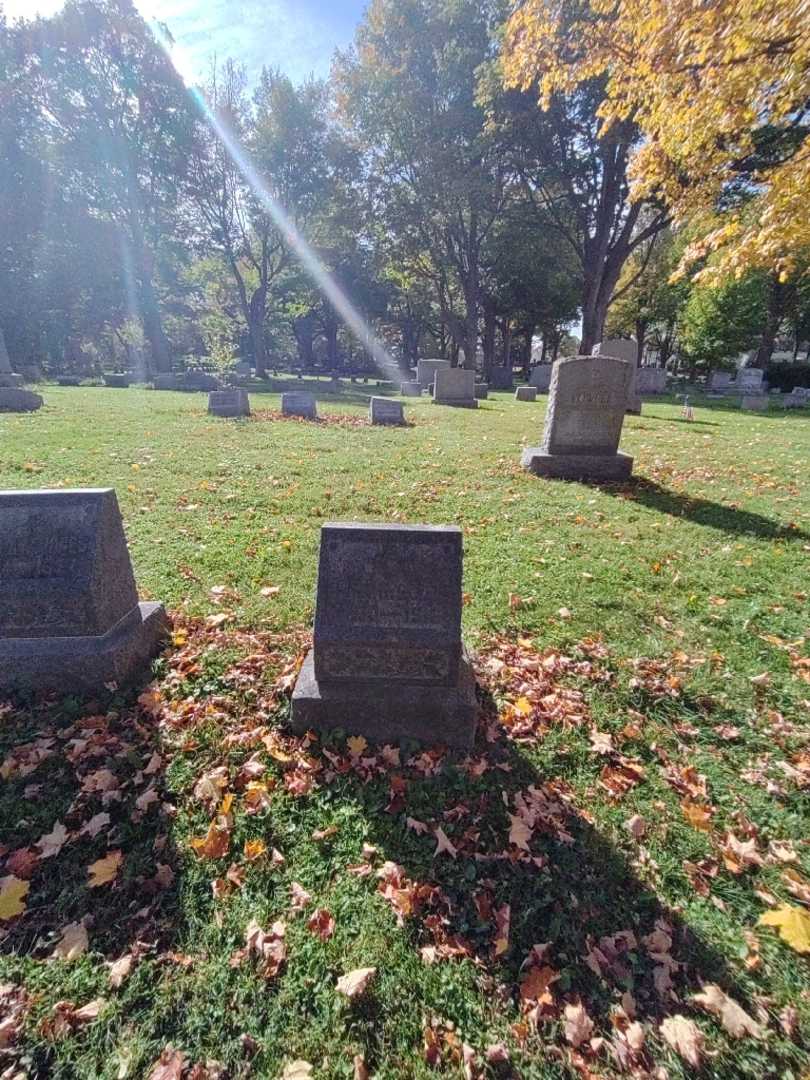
pixel 117 380
pixel 299 403
pixel 426 371
pixel 750 379
pixel 651 380
pixel 586 407
pixel 482 391
pixel 455 386
pixel 70 620
pixel 624 349
pixel 229 403
pixel 526 393
pixel 385 411
pixel 200 380
pixel 8 378
pixel 501 378
pixel 720 381
pixel 165 382
pixel 411 389
pixel 68 380
pixel 540 377
pixel 753 402
pixel 387 660
pixel 15 399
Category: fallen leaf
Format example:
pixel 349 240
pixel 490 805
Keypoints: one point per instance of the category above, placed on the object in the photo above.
pixel 297 1070
pixel 13 892
pixel 72 943
pixel 636 826
pixel 120 969
pixel 519 832
pixel 169 1066
pixel 357 745
pixel 444 844
pixel 94 826
pixel 698 816
pixel 360 1069
pixel 254 849
pixel 105 870
pixel 300 897
pixel 793 924
pixel 578 1025
pixel 355 983
pixel 52 843
pixel 732 1016
pixel 685 1038
pixel 321 923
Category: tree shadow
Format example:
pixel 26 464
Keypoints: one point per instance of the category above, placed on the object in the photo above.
pixel 600 927
pixel 704 512
pixel 679 420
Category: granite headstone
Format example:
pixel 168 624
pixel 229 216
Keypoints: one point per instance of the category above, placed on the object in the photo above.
pixel 482 391
pixel 411 389
pixel 624 349
pixel 540 377
pixel 586 407
pixel 385 411
pixel 526 393
pixel 501 378
pixel 426 371
pixel 15 399
pixel 299 403
pixel 455 386
pixel 229 403
pixel 387 659
pixel 70 620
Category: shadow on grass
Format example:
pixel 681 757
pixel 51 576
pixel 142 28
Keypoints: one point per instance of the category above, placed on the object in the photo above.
pixel 704 512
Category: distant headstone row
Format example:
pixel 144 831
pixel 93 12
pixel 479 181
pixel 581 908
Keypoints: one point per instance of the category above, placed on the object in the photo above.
pixel 13 398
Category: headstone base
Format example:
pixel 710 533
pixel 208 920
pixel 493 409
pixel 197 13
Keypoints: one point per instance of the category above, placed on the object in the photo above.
pixel 10 378
pixel 634 405
pixel 13 400
pixel 84 664
pixel 577 466
pixel 386 713
pixel 461 403
pixel 755 402
pixel 482 391
pixel 411 389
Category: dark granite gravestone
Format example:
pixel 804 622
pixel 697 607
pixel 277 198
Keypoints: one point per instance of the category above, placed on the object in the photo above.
pixel 70 620
pixel 410 389
pixel 69 380
pixel 387 660
pixel 586 408
pixel 501 378
pixel 166 382
pixel 624 349
pixel 16 400
pixel 540 377
pixel 526 393
pixel 426 371
pixel 8 378
pixel 200 380
pixel 117 380
pixel 482 391
pixel 229 403
pixel 385 411
pixel 299 403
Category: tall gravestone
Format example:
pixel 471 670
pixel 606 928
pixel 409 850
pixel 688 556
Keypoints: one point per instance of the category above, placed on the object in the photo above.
pixel 387 659
pixel 7 376
pixel 13 398
pixel 720 381
pixel 426 371
pixel 624 349
pixel 540 377
pixel 586 407
pixel 455 386
pixel 70 620
pixel 501 378
pixel 749 380
pixel 651 380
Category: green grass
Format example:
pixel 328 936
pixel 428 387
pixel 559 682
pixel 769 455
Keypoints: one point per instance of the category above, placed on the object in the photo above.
pixel 700 564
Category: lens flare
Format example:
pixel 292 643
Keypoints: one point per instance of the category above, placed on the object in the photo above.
pixel 292 237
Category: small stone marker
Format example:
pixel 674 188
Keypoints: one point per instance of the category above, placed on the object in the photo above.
pixel 750 379
pixel 229 403
pixel 7 376
pixel 624 349
pixel 385 411
pixel 426 371
pixel 200 380
pixel 584 420
pixel 70 620
pixel 69 380
pixel 455 386
pixel 541 377
pixel 117 380
pixel 388 660
pixel 755 402
pixel 526 393
pixel 411 389
pixel 165 382
pixel 720 381
pixel 14 399
pixel 482 391
pixel 299 403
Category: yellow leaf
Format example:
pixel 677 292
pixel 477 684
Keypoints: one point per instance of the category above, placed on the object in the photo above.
pixel 254 849
pixel 105 870
pixel 523 706
pixel 793 924
pixel 357 745
pixel 13 892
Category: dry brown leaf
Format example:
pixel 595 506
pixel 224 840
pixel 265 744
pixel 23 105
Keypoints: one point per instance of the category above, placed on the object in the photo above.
pixel 52 843
pixel 13 892
pixel 169 1066
pixel 578 1025
pixel 354 983
pixel 321 923
pixel 685 1038
pixel 72 943
pixel 732 1016
pixel 120 969
pixel 443 843
pixel 105 870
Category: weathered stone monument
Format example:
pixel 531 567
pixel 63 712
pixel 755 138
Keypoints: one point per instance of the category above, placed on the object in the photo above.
pixel 387 659
pixel 299 403
pixel 482 391
pixel 720 381
pixel 455 386
pixel 12 396
pixel 426 371
pixel 526 393
pixel 410 389
pixel 586 407
pixel 200 380
pixel 651 380
pixel 540 377
pixel 385 411
pixel 501 378
pixel 749 380
pixel 70 620
pixel 229 403
pixel 165 382
pixel 118 380
pixel 624 349
pixel 755 402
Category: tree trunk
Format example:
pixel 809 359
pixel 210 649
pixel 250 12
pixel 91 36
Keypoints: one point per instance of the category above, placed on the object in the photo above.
pixel 776 309
pixel 304 337
pixel 488 340
pixel 256 312
pixel 506 343
pixel 332 327
pixel 641 335
pixel 153 327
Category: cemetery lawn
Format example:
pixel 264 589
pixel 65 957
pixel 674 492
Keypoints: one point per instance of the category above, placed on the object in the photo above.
pixel 184 882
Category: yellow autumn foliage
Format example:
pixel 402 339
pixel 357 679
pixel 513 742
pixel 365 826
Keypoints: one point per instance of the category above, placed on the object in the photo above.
pixel 704 82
